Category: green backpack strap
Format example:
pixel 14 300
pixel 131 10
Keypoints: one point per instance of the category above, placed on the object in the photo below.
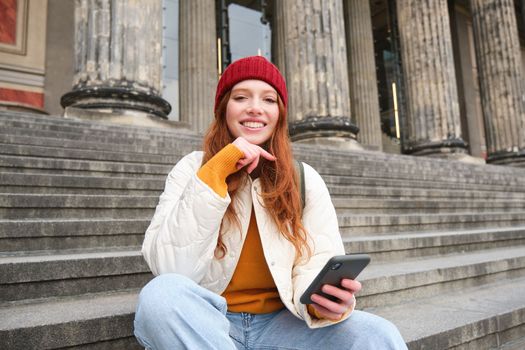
pixel 299 168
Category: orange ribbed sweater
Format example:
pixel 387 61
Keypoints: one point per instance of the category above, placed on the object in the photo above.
pixel 251 288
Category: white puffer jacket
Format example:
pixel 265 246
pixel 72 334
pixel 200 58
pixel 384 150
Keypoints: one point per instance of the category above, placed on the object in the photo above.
pixel 183 234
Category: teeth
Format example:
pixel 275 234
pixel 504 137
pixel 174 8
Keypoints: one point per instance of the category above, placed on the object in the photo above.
pixel 254 125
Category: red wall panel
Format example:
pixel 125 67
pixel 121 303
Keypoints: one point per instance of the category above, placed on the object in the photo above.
pixel 8 10
pixel 34 99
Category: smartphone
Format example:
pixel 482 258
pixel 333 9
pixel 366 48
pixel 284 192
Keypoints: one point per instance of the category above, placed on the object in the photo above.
pixel 337 268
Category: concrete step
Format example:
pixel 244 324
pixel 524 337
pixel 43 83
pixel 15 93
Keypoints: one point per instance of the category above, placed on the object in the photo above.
pixel 50 165
pixel 473 318
pixel 24 135
pixel 57 151
pixel 33 122
pixel 68 153
pixel 103 321
pixel 345 206
pixel 91 150
pixel 146 185
pixel 432 227
pixel 403 246
pixel 394 282
pixel 351 168
pixel 517 344
pixel 100 177
pixel 390 179
pixel 152 184
pixel 45 233
pixel 59 234
pixel 23 129
pixel 377 160
pixel 120 136
pixel 367 225
pixel 33 276
pixel 414 193
pixel 180 146
pixel 333 158
pixel 358 160
pixel 41 122
pixel 388 160
pixel 24 206
pixel 31 206
pixel 347 180
pixel 84 127
pixel 156 182
pixel 70 318
pixel 28 121
pixel 74 150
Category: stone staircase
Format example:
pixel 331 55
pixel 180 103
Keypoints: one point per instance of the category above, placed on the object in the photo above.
pixel 447 239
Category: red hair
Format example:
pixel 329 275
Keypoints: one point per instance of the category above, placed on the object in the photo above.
pixel 279 180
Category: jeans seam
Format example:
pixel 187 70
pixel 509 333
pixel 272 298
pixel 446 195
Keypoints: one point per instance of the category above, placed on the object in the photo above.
pixel 237 339
pixel 272 347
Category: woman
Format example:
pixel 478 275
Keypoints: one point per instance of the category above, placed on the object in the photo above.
pixel 234 249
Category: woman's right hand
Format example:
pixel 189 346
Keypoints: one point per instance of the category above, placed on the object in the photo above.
pixel 252 154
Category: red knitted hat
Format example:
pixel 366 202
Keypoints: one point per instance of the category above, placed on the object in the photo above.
pixel 253 67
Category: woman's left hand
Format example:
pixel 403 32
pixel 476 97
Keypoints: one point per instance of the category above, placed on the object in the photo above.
pixel 334 310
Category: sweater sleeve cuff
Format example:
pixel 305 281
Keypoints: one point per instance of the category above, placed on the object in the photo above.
pixel 219 167
pixel 313 312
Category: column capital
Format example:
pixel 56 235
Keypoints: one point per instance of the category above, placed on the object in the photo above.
pixel 447 146
pixel 117 97
pixel 514 157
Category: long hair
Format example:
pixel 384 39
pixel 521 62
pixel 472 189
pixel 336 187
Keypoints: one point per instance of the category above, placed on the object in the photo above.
pixel 279 180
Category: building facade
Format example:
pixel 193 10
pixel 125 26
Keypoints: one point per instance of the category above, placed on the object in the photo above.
pixel 438 78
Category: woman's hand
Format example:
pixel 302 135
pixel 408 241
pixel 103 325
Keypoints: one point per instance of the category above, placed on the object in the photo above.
pixel 252 154
pixel 334 310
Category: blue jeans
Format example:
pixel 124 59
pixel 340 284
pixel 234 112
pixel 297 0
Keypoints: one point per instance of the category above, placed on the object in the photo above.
pixel 174 312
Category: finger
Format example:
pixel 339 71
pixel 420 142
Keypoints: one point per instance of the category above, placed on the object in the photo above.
pixel 352 285
pixel 343 295
pixel 328 304
pixel 242 163
pixel 250 153
pixel 246 148
pixel 267 155
pixel 325 313
pixel 253 165
pixel 240 142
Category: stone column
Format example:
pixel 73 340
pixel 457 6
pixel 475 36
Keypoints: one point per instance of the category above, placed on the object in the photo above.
pixel 433 119
pixel 312 55
pixel 501 80
pixel 118 57
pixel 197 62
pixel 364 99
pixel 468 82
pixel 523 15
pixel 279 45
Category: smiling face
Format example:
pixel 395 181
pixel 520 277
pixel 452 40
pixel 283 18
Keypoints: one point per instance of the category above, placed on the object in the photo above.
pixel 252 111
